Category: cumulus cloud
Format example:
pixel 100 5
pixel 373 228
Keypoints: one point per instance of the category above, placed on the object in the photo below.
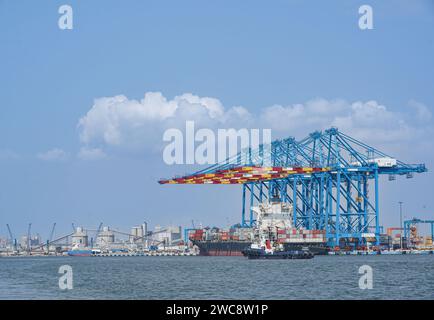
pixel 119 122
pixel 393 132
pixel 55 154
pixel 86 153
pixel 368 121
pixel 357 117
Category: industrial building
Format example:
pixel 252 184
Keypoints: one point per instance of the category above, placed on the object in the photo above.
pixel 169 236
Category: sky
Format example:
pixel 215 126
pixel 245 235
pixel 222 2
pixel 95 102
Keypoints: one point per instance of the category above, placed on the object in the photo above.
pixel 83 111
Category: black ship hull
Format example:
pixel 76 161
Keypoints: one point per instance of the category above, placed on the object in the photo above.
pixel 235 248
pixel 221 248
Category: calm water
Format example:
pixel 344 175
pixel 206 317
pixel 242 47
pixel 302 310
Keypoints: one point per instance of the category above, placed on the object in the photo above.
pixel 324 277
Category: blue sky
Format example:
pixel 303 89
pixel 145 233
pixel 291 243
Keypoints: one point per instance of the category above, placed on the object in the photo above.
pixel 252 54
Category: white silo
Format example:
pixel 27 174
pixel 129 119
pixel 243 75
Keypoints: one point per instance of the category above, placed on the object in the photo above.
pixel 105 237
pixel 79 237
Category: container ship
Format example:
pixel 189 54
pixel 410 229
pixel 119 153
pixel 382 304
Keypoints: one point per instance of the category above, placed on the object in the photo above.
pixel 273 218
pixel 235 248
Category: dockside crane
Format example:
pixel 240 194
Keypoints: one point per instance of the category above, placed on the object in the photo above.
pixel 324 176
pixel 415 221
pixel 29 242
pixel 52 232
pixel 51 237
pixel 13 241
pixel 98 231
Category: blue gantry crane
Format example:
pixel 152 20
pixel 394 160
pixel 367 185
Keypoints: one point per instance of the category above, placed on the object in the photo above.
pixel 413 222
pixel 325 176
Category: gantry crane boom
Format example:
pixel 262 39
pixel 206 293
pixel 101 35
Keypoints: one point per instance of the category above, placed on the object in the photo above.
pixel 52 232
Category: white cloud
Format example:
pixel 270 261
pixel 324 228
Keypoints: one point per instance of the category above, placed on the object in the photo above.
pixel 86 153
pixel 422 111
pixel 404 134
pixel 118 122
pixel 55 154
pixel 301 117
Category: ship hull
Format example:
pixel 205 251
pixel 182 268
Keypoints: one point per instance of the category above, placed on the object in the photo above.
pixel 236 248
pixel 79 253
pixel 222 248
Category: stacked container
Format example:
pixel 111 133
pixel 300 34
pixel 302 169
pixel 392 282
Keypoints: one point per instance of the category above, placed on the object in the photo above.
pixel 197 235
pixel 292 235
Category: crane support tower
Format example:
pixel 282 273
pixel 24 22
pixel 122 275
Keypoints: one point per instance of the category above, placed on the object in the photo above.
pixel 415 221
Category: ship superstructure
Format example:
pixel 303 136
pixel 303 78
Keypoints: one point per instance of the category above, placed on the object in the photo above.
pixel 273 225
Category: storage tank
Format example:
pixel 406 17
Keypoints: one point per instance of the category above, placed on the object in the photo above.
pixel 79 237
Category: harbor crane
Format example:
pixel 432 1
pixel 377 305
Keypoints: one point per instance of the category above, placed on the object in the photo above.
pixel 52 232
pixel 29 241
pixel 98 231
pixel 409 223
pixel 13 241
pixel 325 177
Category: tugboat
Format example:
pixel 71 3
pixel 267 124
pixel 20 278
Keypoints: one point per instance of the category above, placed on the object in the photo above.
pixel 268 250
pixel 270 217
pixel 256 252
